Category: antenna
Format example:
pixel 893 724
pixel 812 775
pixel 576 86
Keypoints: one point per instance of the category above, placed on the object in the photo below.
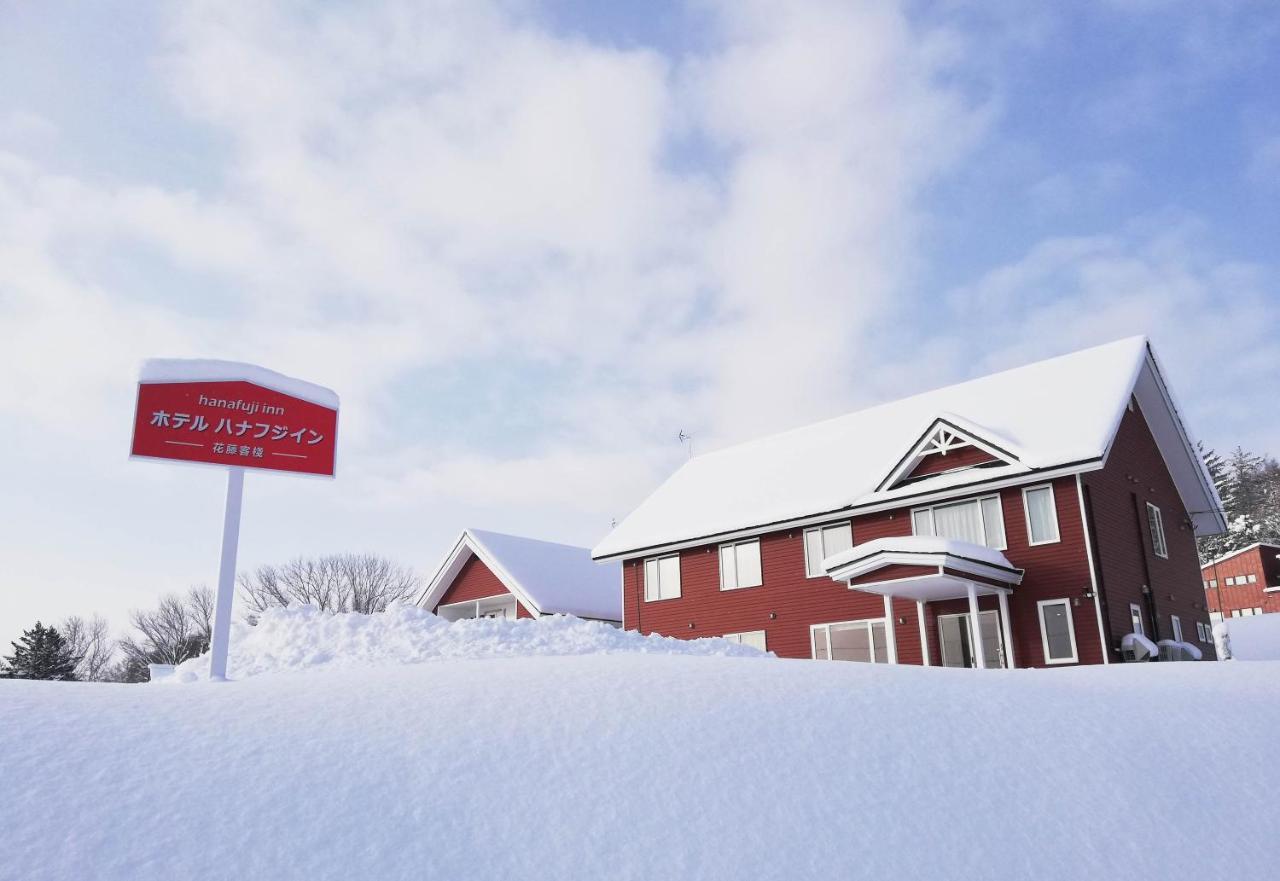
pixel 683 436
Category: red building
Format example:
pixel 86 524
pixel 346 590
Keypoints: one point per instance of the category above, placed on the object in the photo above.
pixel 1042 513
pixel 491 575
pixel 1245 582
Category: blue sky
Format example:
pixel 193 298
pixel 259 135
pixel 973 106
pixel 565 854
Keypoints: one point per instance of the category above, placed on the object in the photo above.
pixel 527 243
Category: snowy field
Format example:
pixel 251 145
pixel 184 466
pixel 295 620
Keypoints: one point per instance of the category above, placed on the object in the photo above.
pixel 1256 638
pixel 539 757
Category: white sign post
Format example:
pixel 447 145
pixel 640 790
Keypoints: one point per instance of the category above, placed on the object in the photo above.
pixel 234 416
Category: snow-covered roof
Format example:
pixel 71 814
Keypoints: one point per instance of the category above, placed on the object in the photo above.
pixel 547 577
pixel 1238 551
pixel 922 545
pixel 205 370
pixel 1061 413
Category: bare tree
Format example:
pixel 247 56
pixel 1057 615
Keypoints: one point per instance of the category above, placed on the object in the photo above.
pixel 337 583
pixel 92 645
pixel 175 631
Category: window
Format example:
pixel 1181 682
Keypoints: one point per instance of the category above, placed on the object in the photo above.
pixel 1135 615
pixel 662 578
pixel 1215 617
pixel 980 521
pixel 1253 579
pixel 1246 613
pixel 850 641
pixel 1213 582
pixel 1057 632
pixel 1156 522
pixel 1206 584
pixel 1200 630
pixel 753 638
pixel 1177 627
pixel 740 565
pixel 1230 582
pixel 1042 516
pixel 821 542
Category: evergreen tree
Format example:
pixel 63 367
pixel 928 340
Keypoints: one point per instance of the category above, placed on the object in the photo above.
pixel 1249 486
pixel 41 653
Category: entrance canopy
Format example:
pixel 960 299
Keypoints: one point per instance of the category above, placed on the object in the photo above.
pixel 923 568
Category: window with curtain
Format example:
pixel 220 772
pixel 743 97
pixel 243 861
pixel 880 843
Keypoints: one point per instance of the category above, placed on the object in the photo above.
pixel 1042 516
pixel 821 542
pixel 740 565
pixel 662 578
pixel 980 521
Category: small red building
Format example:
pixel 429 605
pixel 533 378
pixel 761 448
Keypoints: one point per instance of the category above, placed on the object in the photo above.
pixel 492 575
pixel 1244 582
pixel 1042 514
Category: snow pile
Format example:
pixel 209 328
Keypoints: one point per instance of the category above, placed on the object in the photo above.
pixel 303 637
pixel 644 766
pixel 1256 638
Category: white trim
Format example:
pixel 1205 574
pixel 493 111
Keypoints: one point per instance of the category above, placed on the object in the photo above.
pixel 720 563
pixel 1053 506
pixel 1071 632
pixel 644 578
pixel 957 493
pixel 982 518
pixel 502 600
pixel 926 446
pixel 1164 540
pixel 860 566
pixel 924 634
pixel 1093 575
pixel 890 634
pixel 1006 629
pixel 975 628
pixel 738 638
pixel 448 571
pixel 1175 623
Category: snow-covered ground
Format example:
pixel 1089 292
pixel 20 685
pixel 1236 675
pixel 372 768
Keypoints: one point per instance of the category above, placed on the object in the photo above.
pixel 1256 638
pixel 560 764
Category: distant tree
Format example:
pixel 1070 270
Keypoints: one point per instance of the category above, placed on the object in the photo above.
pixel 90 641
pixel 1249 486
pixel 177 630
pixel 337 583
pixel 41 653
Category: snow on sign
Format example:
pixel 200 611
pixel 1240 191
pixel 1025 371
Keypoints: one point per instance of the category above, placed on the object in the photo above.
pixel 240 416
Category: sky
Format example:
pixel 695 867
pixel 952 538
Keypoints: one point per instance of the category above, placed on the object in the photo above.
pixel 529 244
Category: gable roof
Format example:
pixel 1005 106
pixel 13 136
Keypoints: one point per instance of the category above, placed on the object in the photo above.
pixel 1057 415
pixel 547 577
pixel 1238 551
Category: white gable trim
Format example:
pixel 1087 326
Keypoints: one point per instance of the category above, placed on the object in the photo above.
pixel 466 547
pixel 940 437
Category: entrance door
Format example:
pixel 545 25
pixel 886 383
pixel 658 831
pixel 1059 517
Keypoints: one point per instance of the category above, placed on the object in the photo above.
pixel 956 649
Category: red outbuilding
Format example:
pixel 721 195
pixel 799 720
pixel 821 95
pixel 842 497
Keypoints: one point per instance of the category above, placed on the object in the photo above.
pixel 1041 514
pixel 1244 582
pixel 492 575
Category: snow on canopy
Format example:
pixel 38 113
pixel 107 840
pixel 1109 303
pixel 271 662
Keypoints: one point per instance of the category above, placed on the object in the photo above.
pixel 919 544
pixel 1058 412
pixel 302 637
pixel 548 577
pixel 205 370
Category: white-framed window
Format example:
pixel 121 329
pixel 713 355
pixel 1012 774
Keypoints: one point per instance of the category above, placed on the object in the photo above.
pixel 1200 630
pixel 1176 623
pixel 1246 613
pixel 821 542
pixel 1057 632
pixel 662 578
pixel 1231 582
pixel 1042 515
pixel 1155 520
pixel 740 565
pixel 753 638
pixel 1213 582
pixel 864 641
pixel 980 521
pixel 1135 616
pixel 1253 579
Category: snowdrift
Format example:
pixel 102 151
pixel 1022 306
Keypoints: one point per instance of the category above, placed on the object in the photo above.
pixel 303 637
pixel 635 764
pixel 1256 638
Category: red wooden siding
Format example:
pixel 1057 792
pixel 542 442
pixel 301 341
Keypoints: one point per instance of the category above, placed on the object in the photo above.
pixel 476 581
pixel 935 463
pixel 1261 563
pixel 788 602
pixel 1135 474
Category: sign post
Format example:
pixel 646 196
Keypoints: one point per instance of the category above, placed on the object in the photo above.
pixel 236 416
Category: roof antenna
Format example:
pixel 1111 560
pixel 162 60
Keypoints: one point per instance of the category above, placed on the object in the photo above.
pixel 685 436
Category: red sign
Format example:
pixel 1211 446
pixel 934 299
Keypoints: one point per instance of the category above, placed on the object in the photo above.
pixel 234 423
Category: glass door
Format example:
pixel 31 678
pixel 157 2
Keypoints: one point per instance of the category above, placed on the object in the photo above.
pixel 953 632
